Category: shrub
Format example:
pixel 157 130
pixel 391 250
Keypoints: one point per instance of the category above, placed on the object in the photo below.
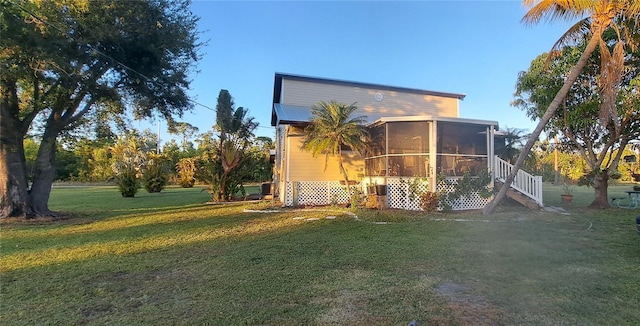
pixel 128 160
pixel 429 201
pixel 186 169
pixel 155 175
pixel 128 183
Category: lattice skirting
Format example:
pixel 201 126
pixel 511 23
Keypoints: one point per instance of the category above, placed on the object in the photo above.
pixel 317 193
pixel 474 201
pixel 398 194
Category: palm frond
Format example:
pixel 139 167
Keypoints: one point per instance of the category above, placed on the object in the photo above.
pixel 575 34
pixel 331 127
pixel 552 10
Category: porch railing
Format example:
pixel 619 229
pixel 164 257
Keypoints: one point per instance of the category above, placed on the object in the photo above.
pixel 527 184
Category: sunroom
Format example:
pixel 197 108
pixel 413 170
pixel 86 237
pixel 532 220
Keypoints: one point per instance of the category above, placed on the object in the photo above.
pixel 425 148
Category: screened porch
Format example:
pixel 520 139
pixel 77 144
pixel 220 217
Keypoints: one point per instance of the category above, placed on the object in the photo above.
pixel 405 148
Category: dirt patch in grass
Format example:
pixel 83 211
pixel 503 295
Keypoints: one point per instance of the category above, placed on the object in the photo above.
pixel 344 308
pixel 115 295
pixel 467 308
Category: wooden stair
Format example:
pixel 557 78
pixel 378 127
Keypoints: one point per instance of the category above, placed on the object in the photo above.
pixel 520 198
pixel 526 188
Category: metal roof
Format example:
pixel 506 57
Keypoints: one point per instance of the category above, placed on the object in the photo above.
pixel 277 86
pixel 432 118
pixel 296 114
pixel 290 114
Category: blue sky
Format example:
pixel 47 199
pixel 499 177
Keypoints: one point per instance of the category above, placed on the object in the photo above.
pixel 475 48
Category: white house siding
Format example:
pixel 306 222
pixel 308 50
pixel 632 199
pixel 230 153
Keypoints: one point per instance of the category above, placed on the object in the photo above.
pixel 390 104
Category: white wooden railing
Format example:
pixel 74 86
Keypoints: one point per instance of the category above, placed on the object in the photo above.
pixel 527 184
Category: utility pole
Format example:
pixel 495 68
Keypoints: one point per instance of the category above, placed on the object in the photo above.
pixel 556 175
pixel 158 141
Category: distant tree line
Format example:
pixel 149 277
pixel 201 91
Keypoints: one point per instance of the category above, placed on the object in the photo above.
pixel 190 160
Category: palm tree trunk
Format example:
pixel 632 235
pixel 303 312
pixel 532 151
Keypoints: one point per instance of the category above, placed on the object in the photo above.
pixel 222 193
pixel 345 175
pixel 551 110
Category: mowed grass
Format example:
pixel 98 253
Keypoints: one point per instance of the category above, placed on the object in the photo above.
pixel 582 195
pixel 172 259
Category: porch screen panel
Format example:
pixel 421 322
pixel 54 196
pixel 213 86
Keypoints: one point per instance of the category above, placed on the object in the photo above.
pixel 399 149
pixel 461 148
pixel 376 166
pixel 410 137
pixel 408 148
pixel 378 141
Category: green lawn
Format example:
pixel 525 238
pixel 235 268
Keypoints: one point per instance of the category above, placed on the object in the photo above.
pixel 583 195
pixel 171 259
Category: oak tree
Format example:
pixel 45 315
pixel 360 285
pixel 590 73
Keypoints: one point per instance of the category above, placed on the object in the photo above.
pixel 66 62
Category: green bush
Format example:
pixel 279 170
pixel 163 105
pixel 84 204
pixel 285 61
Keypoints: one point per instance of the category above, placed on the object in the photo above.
pixel 155 176
pixel 128 159
pixel 128 183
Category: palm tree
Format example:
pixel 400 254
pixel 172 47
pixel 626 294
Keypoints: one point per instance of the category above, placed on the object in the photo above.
pixel 330 128
pixel 621 15
pixel 233 143
pixel 513 141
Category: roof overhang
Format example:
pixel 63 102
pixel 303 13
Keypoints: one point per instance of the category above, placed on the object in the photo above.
pixel 432 118
pixel 290 114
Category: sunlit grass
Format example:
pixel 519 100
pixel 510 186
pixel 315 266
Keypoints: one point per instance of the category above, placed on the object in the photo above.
pixel 128 220
pixel 170 259
pixel 175 235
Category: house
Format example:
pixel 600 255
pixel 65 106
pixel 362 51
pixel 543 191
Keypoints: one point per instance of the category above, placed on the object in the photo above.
pixel 415 134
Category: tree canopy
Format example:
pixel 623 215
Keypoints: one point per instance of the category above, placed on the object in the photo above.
pixel 595 17
pixel 599 139
pixel 68 62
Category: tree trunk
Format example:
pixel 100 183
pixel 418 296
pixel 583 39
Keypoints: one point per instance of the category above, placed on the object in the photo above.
pixel 222 192
pixel 600 186
pixel 13 180
pixel 575 72
pixel 345 175
pixel 44 175
pixel 17 199
pixel 14 187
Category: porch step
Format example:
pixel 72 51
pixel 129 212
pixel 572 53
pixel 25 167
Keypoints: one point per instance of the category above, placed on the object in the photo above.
pixel 522 199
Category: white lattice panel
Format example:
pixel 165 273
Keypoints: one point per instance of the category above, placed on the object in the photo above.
pixel 317 193
pixel 399 193
pixel 471 202
pixel 314 193
pixel 288 199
